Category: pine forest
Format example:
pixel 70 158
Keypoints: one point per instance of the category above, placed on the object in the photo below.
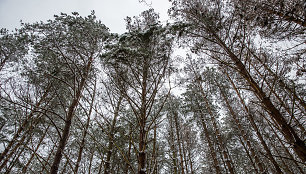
pixel 220 88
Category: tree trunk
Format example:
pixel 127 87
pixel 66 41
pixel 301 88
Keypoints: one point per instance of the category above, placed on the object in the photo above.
pixel 127 166
pixel 142 121
pixel 251 119
pixel 177 130
pixel 68 121
pixel 210 145
pixel 172 146
pixel 111 137
pixel 233 114
pixel 213 120
pixel 82 145
pixel 289 133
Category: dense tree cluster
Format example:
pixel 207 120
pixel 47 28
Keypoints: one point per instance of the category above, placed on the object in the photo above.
pixel 76 98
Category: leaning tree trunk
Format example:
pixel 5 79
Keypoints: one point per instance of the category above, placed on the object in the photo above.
pixel 251 119
pixel 218 135
pixel 68 121
pixel 289 133
pixel 24 124
pixel 210 145
pixel 82 145
pixel 243 134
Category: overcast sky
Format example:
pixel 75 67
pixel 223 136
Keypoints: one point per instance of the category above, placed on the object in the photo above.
pixel 110 12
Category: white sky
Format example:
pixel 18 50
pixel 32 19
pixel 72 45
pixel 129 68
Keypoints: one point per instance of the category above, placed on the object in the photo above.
pixel 111 12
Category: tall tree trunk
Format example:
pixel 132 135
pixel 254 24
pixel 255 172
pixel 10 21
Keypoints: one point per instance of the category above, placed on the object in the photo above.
pixel 127 166
pixel 177 130
pixel 190 160
pixel 68 121
pixel 233 114
pixel 153 164
pixel 289 133
pixel 210 145
pixel 173 148
pixel 90 161
pixel 219 138
pixel 251 119
pixel 185 156
pixel 142 121
pixel 82 145
pixel 111 137
pixel 24 124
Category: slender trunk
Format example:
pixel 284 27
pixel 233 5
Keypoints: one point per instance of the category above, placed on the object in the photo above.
pixel 68 121
pixel 210 145
pixel 190 161
pixel 248 154
pixel 244 136
pixel 153 165
pixel 289 133
pixel 185 156
pixel 177 129
pixel 126 169
pixel 111 137
pixel 82 145
pixel 24 124
pixel 24 169
pixel 219 138
pixel 142 121
pixel 251 119
pixel 172 146
pixel 90 162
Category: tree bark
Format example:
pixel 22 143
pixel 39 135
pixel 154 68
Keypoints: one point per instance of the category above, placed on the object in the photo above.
pixel 142 121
